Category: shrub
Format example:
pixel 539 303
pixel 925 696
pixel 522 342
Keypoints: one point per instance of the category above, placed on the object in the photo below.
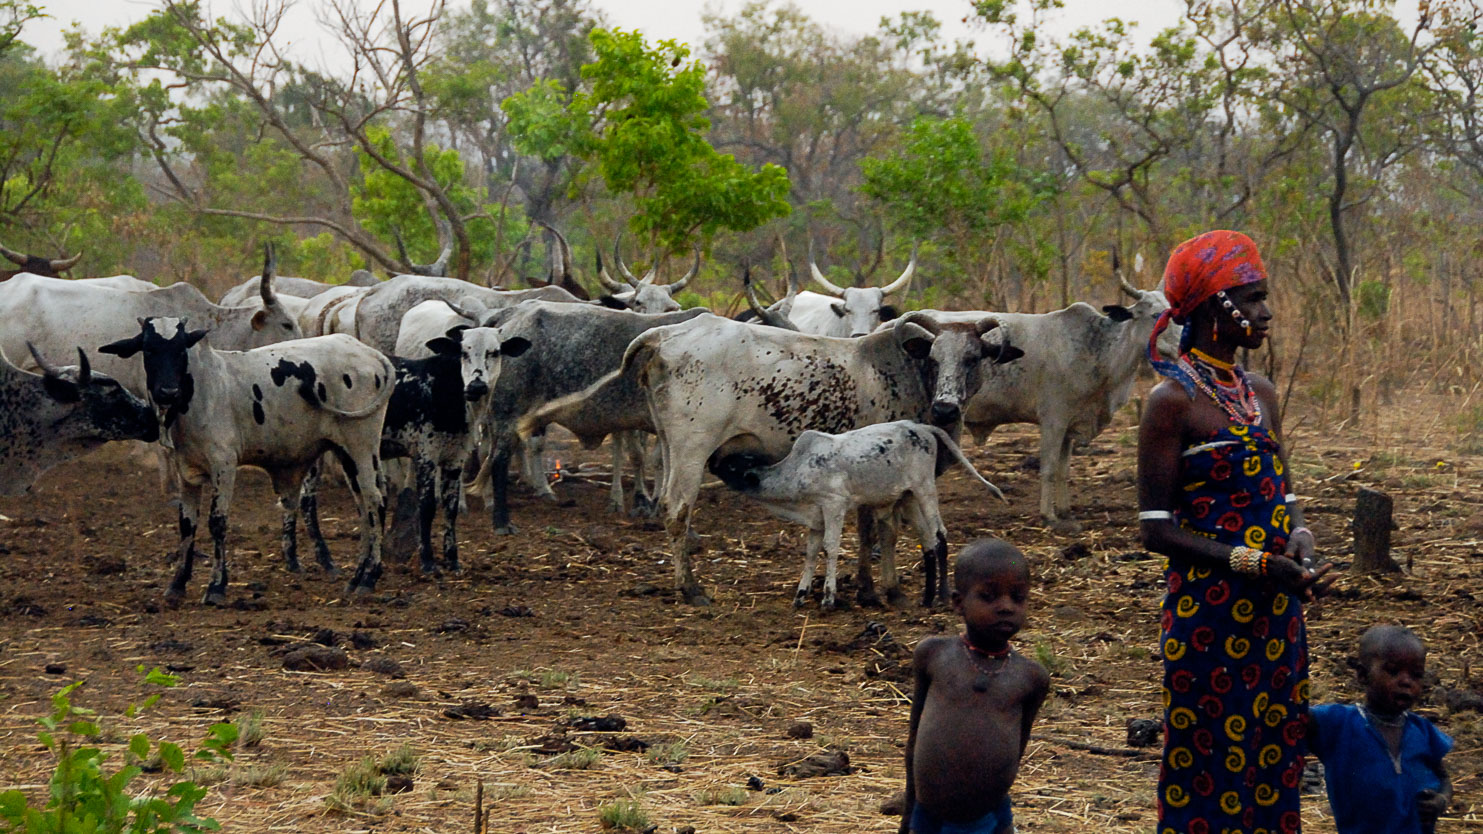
pixel 624 815
pixel 85 798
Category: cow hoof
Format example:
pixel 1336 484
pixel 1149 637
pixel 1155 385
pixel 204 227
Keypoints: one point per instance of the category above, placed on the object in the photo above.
pixel 506 530
pixel 870 600
pixel 895 596
pixel 800 599
pixel 432 571
pixel 835 604
pixel 330 570
pixel 215 598
pixel 616 507
pixel 695 595
pixel 294 566
pixel 361 591
pixel 644 508
pixel 173 598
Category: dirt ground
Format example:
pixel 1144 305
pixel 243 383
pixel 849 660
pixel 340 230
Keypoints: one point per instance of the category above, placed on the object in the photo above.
pixel 572 618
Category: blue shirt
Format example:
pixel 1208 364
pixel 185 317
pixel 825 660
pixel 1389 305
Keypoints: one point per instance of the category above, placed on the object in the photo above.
pixel 1370 792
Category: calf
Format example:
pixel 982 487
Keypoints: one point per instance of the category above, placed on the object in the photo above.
pixel 886 466
pixel 60 414
pixel 278 408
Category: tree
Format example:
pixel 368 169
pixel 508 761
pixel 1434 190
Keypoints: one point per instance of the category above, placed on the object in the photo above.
pixel 941 186
pixel 637 124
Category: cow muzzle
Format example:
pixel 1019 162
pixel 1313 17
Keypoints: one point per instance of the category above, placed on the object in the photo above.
pixel 945 413
pixel 476 390
pixel 167 395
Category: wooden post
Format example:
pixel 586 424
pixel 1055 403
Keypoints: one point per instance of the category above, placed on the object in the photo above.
pixel 1373 512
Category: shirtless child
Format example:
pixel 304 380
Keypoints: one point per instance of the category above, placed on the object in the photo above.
pixel 974 703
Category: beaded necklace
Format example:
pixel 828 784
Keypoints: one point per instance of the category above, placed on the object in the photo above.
pixel 981 683
pixel 1237 399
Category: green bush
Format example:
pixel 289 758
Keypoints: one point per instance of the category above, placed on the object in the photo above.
pixel 85 798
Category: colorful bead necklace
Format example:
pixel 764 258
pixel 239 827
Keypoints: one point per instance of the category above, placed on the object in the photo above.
pixel 981 683
pixel 1237 399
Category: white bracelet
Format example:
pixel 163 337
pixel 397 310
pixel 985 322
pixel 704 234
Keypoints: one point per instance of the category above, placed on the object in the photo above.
pixel 1291 498
pixel 1155 515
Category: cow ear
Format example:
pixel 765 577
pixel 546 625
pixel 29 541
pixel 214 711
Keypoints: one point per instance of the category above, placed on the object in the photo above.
pixel 443 346
pixel 192 337
pixel 1004 353
pixel 61 389
pixel 889 312
pixel 456 332
pixel 915 339
pixel 514 346
pixel 259 319
pixel 838 309
pixel 1117 312
pixel 124 348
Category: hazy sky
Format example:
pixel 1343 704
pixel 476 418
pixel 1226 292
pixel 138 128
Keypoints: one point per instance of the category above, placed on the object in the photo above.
pixel 679 19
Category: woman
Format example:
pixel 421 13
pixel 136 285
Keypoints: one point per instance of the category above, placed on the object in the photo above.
pixel 1214 498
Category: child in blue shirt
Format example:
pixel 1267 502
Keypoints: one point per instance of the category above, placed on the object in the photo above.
pixel 1382 762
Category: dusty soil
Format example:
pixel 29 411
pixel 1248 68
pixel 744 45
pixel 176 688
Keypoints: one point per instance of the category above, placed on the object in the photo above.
pixel 572 618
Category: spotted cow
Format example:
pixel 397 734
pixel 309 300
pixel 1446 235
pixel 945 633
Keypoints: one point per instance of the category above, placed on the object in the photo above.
pixel 278 408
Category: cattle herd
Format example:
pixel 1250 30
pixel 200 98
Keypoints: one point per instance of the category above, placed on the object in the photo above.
pixel 818 405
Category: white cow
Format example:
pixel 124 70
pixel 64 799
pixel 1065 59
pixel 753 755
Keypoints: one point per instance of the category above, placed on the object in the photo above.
pixel 846 311
pixel 714 384
pixel 278 408
pixel 885 467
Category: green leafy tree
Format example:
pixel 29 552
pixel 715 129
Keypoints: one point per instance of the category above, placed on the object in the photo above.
pixel 638 125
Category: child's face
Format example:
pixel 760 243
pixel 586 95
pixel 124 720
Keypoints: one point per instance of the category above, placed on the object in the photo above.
pixel 993 606
pixel 1392 678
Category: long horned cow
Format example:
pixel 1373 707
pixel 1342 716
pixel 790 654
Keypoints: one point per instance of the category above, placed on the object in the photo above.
pixel 35 264
pixel 642 295
pixel 846 311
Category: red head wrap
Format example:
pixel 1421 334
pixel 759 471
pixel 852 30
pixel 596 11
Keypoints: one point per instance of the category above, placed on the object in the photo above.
pixel 1199 268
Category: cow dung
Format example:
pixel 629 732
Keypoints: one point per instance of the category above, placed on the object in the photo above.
pixel 799 729
pixel 384 666
pixel 832 763
pixel 399 689
pixel 315 658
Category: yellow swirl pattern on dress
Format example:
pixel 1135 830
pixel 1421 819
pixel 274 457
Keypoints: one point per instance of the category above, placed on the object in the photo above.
pixel 1280 519
pixel 1266 795
pixel 1279 604
pixel 1252 466
pixel 1243 611
pixel 1181 757
pixel 1239 430
pixel 1300 692
pixel 1187 606
pixel 1175 797
pixel 1275 714
pixel 1277 464
pixel 1237 647
pixel 1235 759
pixel 1197 574
pixel 1181 718
pixel 1275 648
pixel 1259 705
pixel 1173 649
pixel 1270 755
pixel 1236 728
pixel 1230 802
pixel 1256 537
pixel 1167 696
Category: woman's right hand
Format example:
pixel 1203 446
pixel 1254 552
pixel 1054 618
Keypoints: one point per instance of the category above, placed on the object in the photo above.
pixel 1307 583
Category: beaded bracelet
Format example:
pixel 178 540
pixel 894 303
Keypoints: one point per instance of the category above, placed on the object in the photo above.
pixel 1248 561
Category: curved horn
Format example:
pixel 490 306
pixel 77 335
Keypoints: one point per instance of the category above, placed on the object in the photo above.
pixel 438 268
pixel 694 268
pixel 924 321
pixel 41 363
pixel 900 283
pixel 64 264
pixel 15 257
pixel 618 259
pixel 1122 281
pixel 773 318
pixel 84 368
pixel 819 276
pixel 987 323
pixel 265 284
pixel 462 311
pixel 605 279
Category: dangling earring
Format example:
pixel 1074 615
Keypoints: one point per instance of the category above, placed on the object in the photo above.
pixel 1214 330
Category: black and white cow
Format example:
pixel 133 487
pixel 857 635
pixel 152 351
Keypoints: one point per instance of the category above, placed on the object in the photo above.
pixel 580 343
pixel 714 384
pixel 886 467
pixel 50 418
pixel 437 400
pixel 278 408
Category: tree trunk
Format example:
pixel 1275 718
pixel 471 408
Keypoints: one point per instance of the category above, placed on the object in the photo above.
pixel 1372 525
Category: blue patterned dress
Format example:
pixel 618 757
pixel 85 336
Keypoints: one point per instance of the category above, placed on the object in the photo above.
pixel 1235 652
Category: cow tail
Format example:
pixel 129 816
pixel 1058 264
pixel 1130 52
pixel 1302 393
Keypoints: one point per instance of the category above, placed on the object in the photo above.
pixel 945 443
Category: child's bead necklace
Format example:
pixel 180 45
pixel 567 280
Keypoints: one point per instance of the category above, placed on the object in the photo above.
pixel 981 683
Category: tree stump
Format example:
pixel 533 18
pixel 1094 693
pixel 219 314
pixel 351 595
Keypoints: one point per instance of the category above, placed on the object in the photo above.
pixel 1373 521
